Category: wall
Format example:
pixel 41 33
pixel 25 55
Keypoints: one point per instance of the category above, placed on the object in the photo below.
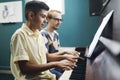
pixel 6 30
pixel 78 26
pixel 77 29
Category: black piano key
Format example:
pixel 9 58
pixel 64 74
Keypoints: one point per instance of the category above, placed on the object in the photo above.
pixel 79 72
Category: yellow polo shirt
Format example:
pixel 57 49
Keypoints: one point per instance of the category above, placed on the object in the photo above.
pixel 26 45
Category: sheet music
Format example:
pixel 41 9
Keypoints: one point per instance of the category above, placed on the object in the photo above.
pixel 98 33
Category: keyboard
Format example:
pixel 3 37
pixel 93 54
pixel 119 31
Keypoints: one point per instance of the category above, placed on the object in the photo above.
pixel 79 72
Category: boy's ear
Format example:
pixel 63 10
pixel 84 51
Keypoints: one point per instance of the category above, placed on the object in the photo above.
pixel 30 15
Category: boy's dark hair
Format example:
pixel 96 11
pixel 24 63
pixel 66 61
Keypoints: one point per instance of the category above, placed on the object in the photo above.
pixel 35 7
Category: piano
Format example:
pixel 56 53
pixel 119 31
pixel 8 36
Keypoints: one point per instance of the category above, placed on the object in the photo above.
pixel 78 73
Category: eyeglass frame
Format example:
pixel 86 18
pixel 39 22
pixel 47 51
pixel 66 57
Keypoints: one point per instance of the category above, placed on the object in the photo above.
pixel 56 19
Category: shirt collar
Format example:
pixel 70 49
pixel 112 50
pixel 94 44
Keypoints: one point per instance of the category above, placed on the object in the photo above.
pixel 29 31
